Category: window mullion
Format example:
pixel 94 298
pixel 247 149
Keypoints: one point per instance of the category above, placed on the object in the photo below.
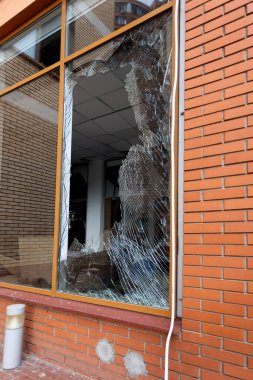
pixel 59 148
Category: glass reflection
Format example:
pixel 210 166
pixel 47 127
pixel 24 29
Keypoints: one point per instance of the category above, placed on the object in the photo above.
pixel 35 48
pixel 28 150
pixel 88 21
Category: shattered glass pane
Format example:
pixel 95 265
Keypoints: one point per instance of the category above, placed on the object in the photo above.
pixel 115 208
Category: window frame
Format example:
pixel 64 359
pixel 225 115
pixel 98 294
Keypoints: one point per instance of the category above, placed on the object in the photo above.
pixel 53 292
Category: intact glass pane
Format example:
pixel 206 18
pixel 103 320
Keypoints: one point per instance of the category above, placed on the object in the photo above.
pixel 28 150
pixel 35 48
pixel 90 20
pixel 115 208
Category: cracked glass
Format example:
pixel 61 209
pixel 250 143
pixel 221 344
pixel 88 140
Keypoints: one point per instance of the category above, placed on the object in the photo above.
pixel 115 198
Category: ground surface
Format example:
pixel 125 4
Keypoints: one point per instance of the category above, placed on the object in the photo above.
pixel 36 369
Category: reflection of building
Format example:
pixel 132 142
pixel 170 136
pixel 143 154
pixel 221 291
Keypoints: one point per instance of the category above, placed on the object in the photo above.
pixel 127 11
pixel 87 24
pixel 28 130
pixel 27 192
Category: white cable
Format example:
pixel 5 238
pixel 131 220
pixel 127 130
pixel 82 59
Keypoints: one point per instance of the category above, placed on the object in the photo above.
pixel 173 194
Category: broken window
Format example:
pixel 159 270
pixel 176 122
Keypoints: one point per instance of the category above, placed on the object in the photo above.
pixel 115 207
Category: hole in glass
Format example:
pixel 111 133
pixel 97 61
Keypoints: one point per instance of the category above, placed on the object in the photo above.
pixel 116 164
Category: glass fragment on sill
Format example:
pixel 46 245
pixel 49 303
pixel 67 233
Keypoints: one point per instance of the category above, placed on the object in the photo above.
pixel 114 241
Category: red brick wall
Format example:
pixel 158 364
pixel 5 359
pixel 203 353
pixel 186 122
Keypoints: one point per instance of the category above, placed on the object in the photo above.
pixel 69 340
pixel 218 251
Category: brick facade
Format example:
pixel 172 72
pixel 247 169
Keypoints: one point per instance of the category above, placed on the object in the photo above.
pixel 69 340
pixel 217 324
pixel 218 199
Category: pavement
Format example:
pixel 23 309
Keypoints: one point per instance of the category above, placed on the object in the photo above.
pixel 36 369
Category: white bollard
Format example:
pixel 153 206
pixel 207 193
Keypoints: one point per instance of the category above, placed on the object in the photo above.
pixel 13 340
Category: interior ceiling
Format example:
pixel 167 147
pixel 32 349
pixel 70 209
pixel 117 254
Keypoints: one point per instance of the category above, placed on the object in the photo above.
pixel 104 126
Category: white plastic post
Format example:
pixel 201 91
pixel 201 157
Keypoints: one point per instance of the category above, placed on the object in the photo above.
pixel 13 340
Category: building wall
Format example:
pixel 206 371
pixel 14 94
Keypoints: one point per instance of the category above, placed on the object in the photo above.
pixel 69 340
pixel 217 292
pixel 217 324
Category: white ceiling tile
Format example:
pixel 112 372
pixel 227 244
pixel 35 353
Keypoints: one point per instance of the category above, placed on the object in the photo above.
pixel 135 140
pixel 112 123
pixel 75 148
pixel 79 95
pixel 127 133
pixel 106 139
pixel 85 142
pixel 100 83
pixel 75 135
pixel 88 129
pixel 78 118
pixel 85 153
pixel 115 155
pixel 92 108
pixel 128 115
pixel 77 155
pixel 116 99
pixel 121 145
pixel 104 150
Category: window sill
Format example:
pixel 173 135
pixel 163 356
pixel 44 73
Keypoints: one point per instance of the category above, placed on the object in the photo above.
pixel 150 322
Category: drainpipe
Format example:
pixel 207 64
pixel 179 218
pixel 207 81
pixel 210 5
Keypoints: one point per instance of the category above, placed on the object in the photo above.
pixel 173 193
pixel 180 194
